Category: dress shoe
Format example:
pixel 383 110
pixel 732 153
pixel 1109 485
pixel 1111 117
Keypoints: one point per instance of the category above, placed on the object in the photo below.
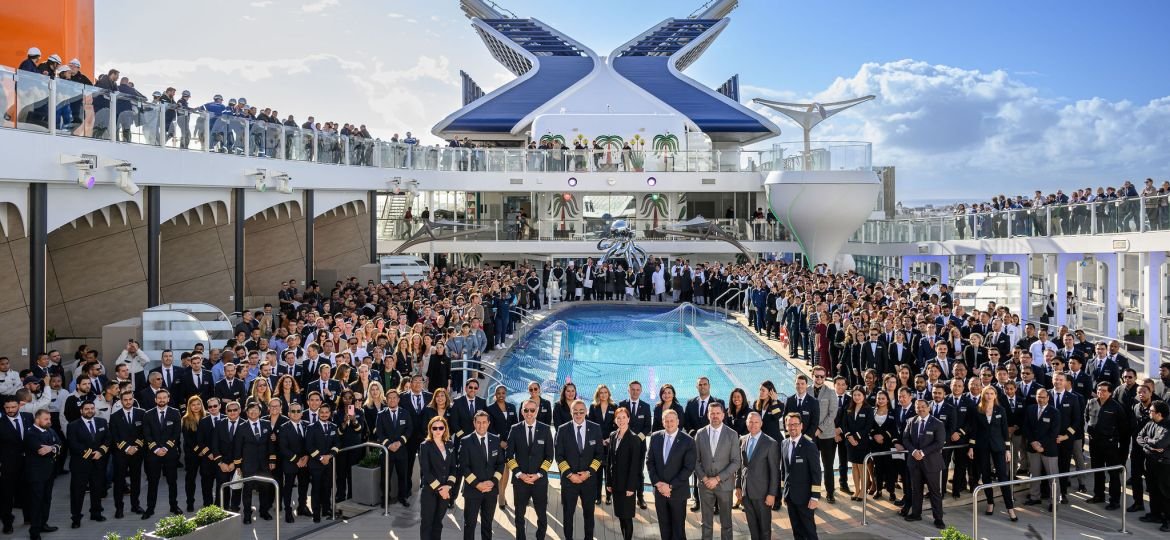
pixel 288 518
pixel 48 528
pixel 406 504
pixel 247 520
pixel 938 524
pixel 1031 502
pixel 190 507
pixel 642 505
pixel 695 508
pixel 176 510
pixel 136 510
pixel 146 515
pixel 1081 489
pixel 1112 506
pixel 34 537
pixel 265 516
pixel 832 500
pixel 845 489
pixel 1148 518
pixel 8 529
pixel 1064 499
pixel 609 500
pixel 1095 500
pixel 75 525
pixel 1165 527
pixel 98 518
pixel 118 514
pixel 304 511
pixel 316 520
pixel 913 518
pixel 1136 507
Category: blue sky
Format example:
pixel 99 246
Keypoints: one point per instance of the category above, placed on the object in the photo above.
pixel 1045 94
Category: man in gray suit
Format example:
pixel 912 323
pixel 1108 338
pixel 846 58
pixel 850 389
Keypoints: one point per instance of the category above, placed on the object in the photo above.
pixel 717 465
pixel 756 481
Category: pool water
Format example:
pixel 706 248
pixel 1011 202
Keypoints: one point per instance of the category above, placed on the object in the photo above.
pixel 614 344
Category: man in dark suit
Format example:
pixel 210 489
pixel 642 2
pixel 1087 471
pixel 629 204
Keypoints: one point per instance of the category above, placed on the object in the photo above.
pixel 129 449
pixel 1070 437
pixel 146 393
pixel 294 461
pixel 481 464
pixel 392 430
pixel 530 455
pixel 415 402
pixel 923 440
pixel 641 422
pixel 258 460
pixel 999 339
pixel 227 452
pixel 464 408
pixel 321 444
pixel 330 389
pixel 41 447
pixel 171 374
pixel 1041 426
pixel 695 418
pixel 899 353
pixel 161 430
pixel 196 381
pixel 758 478
pixel 579 452
pixel 873 352
pixel 89 444
pixel 1079 380
pixel 12 434
pixel 230 388
pixel 800 468
pixel 312 364
pixel 671 463
pixel 805 405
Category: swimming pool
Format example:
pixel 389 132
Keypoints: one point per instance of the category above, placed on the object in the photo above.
pixel 614 344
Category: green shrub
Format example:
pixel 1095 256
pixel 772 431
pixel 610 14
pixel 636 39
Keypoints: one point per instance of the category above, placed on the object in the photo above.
pixel 208 515
pixel 116 536
pixel 174 527
pixel 372 460
pixel 951 533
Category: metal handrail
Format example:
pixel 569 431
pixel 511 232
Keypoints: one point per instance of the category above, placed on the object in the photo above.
pixel 385 475
pixel 869 457
pixel 275 485
pixel 1055 490
pixel 467 371
pixel 736 292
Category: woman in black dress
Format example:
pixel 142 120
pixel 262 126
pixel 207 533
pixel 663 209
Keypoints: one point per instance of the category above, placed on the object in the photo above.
pixel 436 464
pixel 562 412
pixel 624 471
pixel 667 400
pixel 190 429
pixel 988 447
pixel 771 411
pixel 351 430
pixel 856 427
pixel 439 369
pixel 503 416
pixel 737 411
pixel 601 413
pixel 885 430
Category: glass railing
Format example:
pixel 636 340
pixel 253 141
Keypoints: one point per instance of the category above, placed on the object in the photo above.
pixel 593 230
pixel 819 156
pixel 1117 216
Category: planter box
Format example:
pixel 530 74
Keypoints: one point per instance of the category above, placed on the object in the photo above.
pixel 1136 341
pixel 220 530
pixel 367 486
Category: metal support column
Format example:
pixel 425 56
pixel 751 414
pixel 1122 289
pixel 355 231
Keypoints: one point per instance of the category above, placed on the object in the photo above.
pixel 1060 285
pixel 371 210
pixel 153 246
pixel 944 269
pixel 38 235
pixel 1152 308
pixel 310 215
pixel 1109 284
pixel 238 216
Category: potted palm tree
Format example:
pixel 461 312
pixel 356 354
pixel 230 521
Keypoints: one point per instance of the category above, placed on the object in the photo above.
pixel 367 480
pixel 209 523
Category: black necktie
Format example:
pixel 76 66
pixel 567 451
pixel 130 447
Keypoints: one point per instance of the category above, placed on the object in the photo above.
pixel 529 435
pixel 483 442
pixel 231 430
pixel 19 426
pixel 394 417
pixel 702 409
pixel 162 417
pixel 92 431
pixel 298 428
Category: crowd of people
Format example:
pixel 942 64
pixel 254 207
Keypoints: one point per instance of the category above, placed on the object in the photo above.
pixel 961 397
pixel 1084 211
pixel 184 121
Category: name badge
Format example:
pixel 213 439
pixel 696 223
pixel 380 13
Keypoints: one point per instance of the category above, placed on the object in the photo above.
pixel 999 416
pixel 942 417
pixel 930 433
pixel 799 460
pixel 101 429
pixel 539 441
pixel 962 409
pixel 804 413
pixel 170 423
pixel 642 416
pixel 592 443
pixel 138 423
pixel 495 453
pixel 861 416
pixel 1048 420
pixel 402 422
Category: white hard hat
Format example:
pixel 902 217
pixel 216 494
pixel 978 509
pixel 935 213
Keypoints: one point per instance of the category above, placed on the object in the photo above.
pixel 75 63
pixel 54 58
pixel 33 51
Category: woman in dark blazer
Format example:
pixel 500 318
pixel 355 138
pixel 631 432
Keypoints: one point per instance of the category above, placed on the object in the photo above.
pixel 502 417
pixel 856 427
pixel 436 465
pixel 601 413
pixel 562 411
pixel 737 410
pixel 885 430
pixel 987 446
pixel 667 399
pixel 771 411
pixel 623 471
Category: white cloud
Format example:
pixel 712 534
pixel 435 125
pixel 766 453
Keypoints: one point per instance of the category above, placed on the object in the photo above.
pixel 261 4
pixel 946 127
pixel 395 15
pixel 318 6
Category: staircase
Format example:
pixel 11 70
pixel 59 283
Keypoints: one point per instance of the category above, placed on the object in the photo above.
pixel 393 209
